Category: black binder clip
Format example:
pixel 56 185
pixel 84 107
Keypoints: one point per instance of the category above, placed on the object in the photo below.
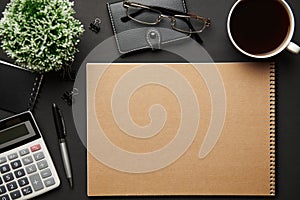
pixel 95 26
pixel 68 96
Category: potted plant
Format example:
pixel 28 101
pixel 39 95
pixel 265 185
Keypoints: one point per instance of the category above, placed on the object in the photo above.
pixel 40 35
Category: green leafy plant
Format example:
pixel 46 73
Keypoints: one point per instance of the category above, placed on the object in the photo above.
pixel 40 35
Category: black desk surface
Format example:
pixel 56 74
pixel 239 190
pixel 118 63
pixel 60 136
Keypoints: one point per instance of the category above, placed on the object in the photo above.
pixel 221 50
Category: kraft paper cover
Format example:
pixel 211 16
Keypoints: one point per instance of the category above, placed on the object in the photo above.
pixel 181 129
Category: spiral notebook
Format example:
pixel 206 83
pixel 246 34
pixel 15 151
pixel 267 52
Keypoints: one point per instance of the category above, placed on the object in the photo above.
pixel 181 129
pixel 19 88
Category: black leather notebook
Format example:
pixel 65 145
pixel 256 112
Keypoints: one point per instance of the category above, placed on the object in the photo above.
pixel 131 35
pixel 18 88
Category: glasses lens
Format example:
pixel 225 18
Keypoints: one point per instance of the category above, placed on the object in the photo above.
pixel 195 25
pixel 198 24
pixel 143 15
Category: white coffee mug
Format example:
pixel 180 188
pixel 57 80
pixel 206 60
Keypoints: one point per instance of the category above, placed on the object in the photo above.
pixel 286 44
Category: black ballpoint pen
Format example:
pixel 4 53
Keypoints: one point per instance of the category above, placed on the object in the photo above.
pixel 61 134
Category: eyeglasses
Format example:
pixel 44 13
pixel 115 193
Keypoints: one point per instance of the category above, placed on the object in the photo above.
pixel 152 15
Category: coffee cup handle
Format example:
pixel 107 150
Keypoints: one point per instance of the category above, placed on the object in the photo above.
pixel 294 48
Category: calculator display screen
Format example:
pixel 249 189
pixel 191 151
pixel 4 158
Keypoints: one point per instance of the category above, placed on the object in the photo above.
pixel 15 134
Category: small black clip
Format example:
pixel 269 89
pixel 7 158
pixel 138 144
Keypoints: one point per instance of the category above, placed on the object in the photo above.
pixel 95 25
pixel 68 96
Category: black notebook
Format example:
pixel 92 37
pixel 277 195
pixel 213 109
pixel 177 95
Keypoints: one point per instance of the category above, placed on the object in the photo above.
pixel 18 88
pixel 131 36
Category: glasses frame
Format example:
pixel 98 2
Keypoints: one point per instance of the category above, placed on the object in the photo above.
pixel 171 14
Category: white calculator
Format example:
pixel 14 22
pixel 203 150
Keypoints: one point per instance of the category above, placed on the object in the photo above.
pixel 26 168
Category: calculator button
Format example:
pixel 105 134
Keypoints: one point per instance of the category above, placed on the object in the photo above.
pixel 46 173
pixel 11 186
pixel 8 177
pixel 4 197
pixel 36 182
pixel 38 156
pixel 42 164
pixel 2 189
pixel 19 173
pixel 27 160
pixel 12 156
pixel 2 160
pixel 30 169
pixel 27 190
pixel 23 181
pixel 15 194
pixel 49 182
pixel 16 164
pixel 35 148
pixel 4 168
pixel 24 152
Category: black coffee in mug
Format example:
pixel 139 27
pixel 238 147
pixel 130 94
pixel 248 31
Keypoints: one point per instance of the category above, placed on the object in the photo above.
pixel 259 26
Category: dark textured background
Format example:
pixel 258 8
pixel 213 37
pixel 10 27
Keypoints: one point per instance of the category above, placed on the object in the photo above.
pixel 219 47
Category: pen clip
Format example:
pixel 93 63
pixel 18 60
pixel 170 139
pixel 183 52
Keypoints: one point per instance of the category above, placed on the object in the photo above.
pixel 62 122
